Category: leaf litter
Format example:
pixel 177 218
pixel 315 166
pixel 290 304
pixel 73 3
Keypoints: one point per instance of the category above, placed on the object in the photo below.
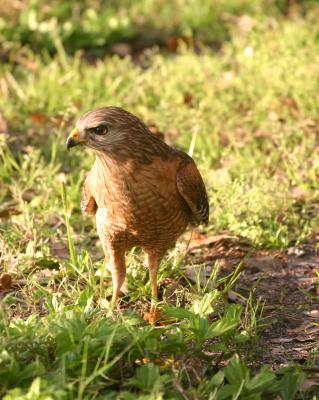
pixel 286 282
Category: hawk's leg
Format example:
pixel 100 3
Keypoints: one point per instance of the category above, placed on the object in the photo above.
pixel 118 270
pixel 153 263
pixel 109 266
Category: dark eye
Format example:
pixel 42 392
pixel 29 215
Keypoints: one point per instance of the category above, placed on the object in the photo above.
pixel 99 130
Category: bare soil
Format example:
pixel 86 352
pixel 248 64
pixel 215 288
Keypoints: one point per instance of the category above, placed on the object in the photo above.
pixel 285 282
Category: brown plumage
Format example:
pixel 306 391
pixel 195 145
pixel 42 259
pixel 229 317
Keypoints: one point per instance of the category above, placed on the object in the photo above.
pixel 143 192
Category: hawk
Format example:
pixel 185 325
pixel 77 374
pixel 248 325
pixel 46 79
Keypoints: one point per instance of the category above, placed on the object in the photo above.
pixel 143 192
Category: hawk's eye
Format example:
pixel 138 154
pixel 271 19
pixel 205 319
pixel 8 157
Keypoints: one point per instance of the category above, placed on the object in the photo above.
pixel 99 130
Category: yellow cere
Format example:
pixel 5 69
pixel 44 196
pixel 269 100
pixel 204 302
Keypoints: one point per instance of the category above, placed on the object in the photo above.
pixel 75 133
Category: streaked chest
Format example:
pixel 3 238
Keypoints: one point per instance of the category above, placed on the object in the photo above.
pixel 131 192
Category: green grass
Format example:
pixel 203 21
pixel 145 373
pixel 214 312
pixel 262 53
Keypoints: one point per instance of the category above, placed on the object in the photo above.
pixel 251 109
pixel 95 26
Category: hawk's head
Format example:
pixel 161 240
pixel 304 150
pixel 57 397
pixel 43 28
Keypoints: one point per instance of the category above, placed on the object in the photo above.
pixel 105 126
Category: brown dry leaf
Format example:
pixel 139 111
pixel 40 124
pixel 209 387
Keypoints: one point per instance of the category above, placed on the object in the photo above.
pixel 54 220
pixel 281 340
pixel 6 281
pixel 278 350
pixel 289 102
pixel 199 239
pixel 314 314
pixel 171 292
pixel 313 329
pixel 28 195
pixel 172 44
pixel 308 122
pixel 122 49
pixel 8 209
pixel 265 264
pixel 310 383
pixel 296 251
pixel 308 338
pixel 188 99
pixel 300 329
pixel 59 249
pixel 39 118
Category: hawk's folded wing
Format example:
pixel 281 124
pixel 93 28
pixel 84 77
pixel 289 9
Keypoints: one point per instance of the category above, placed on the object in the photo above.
pixel 191 187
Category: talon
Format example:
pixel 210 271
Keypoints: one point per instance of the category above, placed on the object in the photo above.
pixel 152 316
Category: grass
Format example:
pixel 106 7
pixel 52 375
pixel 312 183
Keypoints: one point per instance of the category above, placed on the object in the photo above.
pixel 96 26
pixel 250 113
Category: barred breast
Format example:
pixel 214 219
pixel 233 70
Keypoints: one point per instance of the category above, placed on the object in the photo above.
pixel 139 205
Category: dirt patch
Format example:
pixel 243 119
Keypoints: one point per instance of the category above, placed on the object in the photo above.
pixel 284 282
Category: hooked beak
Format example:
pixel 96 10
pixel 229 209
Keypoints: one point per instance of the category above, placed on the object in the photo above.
pixel 73 139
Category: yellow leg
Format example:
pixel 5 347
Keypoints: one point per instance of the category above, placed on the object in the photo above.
pixel 118 270
pixel 153 265
pixel 154 289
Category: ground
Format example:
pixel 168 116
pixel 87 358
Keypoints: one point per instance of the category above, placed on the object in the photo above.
pixel 285 285
pixel 234 84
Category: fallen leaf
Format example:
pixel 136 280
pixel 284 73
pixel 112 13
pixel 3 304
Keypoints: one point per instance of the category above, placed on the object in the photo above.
pixel 172 44
pixel 60 250
pixel 8 211
pixel 188 99
pixel 171 292
pixel 6 281
pixel 39 118
pixel 281 340
pixel 289 102
pixel 199 239
pixel 265 264
pixel 296 251
pixel 28 195
pixel 278 350
pixel 122 49
pixel 54 220
pixel 310 383
pixel 308 338
pixel 313 314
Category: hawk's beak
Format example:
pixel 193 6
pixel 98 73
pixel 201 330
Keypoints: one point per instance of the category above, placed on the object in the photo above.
pixel 73 139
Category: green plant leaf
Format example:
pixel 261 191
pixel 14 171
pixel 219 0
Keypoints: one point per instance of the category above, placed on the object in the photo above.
pixel 261 380
pixel 291 382
pixel 236 371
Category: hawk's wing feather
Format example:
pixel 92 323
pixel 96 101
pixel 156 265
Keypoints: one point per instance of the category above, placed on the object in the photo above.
pixel 88 203
pixel 192 188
